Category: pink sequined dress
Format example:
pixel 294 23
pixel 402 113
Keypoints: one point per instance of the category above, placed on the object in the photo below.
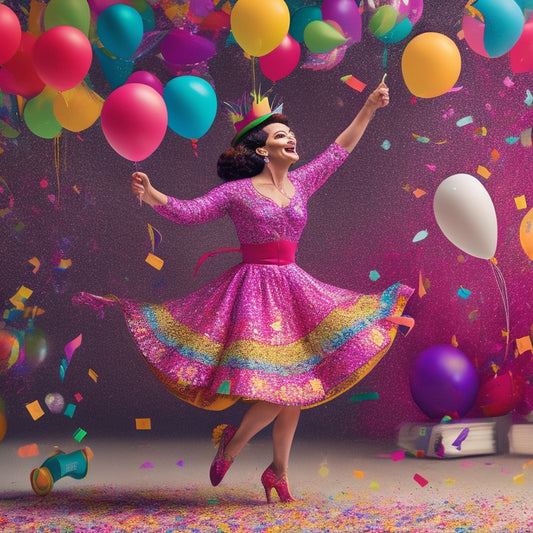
pixel 264 331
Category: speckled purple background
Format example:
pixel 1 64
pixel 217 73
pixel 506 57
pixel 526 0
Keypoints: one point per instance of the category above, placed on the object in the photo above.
pixel 363 219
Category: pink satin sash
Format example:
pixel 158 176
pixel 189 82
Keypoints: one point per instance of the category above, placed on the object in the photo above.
pixel 266 253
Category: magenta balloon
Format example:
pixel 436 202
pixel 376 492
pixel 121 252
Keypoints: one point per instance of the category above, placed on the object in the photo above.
pixel 346 14
pixel 97 6
pixel 62 57
pixel 180 47
pixel 10 33
pixel 146 78
pixel 134 120
pixel 474 31
pixel 282 60
pixel 443 382
pixel 521 54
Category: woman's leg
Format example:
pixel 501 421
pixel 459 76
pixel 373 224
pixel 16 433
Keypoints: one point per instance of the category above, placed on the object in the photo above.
pixel 258 416
pixel 282 437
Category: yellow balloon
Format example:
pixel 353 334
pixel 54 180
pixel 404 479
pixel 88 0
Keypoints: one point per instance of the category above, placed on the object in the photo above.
pixel 526 234
pixel 431 64
pixel 79 108
pixel 259 26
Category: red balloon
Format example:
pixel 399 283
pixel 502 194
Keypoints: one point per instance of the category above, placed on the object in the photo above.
pixel 134 120
pixel 521 54
pixel 501 394
pixel 282 60
pixel 18 75
pixel 10 33
pixel 62 57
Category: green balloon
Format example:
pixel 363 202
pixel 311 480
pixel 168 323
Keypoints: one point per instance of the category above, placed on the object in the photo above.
pixel 74 13
pixel 35 347
pixel 321 37
pixel 39 115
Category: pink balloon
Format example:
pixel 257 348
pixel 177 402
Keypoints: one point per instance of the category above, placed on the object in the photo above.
pixel 18 75
pixel 474 30
pixel 282 60
pixel 521 54
pixel 146 78
pixel 134 120
pixel 10 33
pixel 346 14
pixel 62 57
pixel 181 47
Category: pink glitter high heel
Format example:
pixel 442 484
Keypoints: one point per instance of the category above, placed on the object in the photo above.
pixel 270 481
pixel 221 435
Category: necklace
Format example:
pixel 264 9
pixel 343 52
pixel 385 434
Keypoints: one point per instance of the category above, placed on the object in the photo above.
pixel 280 189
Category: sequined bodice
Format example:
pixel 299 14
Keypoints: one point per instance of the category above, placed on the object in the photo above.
pixel 257 218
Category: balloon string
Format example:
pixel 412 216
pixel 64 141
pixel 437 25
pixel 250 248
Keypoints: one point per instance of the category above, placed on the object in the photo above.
pixel 136 166
pixel 57 163
pixel 500 280
pixel 253 73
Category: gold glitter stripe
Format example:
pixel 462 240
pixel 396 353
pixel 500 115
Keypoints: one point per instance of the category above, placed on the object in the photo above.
pixel 292 353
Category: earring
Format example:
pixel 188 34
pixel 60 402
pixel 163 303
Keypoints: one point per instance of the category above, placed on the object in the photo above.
pixel 266 160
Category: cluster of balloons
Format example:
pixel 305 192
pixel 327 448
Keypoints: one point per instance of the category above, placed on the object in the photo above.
pixel 28 347
pixel 493 28
pixel 50 71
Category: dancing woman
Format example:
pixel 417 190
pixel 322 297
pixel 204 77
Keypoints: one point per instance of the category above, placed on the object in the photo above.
pixel 264 331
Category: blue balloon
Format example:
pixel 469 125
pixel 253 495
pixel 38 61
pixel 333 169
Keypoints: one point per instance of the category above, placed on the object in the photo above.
pixel 301 18
pixel 120 29
pixel 504 22
pixel 191 105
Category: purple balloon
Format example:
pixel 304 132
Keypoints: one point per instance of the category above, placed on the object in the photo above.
pixel 181 47
pixel 346 14
pixel 444 382
pixel 146 78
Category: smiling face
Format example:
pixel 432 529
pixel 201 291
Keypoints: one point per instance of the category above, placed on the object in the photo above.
pixel 280 144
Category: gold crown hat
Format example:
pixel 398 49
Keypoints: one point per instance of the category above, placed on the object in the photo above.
pixel 251 111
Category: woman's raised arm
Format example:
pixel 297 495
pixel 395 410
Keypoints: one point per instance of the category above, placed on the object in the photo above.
pixel 349 138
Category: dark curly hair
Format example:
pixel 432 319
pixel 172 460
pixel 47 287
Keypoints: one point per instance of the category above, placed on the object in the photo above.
pixel 243 161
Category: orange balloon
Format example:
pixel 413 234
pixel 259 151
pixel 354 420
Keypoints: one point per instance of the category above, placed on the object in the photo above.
pixel 3 426
pixel 431 64
pixel 526 234
pixel 79 108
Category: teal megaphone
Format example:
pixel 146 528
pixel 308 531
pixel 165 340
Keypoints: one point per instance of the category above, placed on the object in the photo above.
pixel 57 466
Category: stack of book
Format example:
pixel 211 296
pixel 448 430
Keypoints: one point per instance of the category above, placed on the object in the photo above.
pixel 456 438
pixel 521 439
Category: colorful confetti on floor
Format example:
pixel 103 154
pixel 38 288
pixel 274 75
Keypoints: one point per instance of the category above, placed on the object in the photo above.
pixel 108 509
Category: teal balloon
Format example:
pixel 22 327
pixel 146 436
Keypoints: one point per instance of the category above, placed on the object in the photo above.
pixel 116 70
pixel 300 19
pixel 321 37
pixel 191 104
pixel 504 22
pixel 398 32
pixel 120 29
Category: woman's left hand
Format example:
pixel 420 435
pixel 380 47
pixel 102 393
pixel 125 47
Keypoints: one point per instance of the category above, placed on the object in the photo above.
pixel 379 97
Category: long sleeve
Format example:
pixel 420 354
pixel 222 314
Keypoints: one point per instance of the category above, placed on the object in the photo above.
pixel 314 174
pixel 205 208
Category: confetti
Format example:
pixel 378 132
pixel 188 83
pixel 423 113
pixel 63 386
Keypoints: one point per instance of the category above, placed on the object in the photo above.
pixel 364 396
pixel 143 424
pixel 374 275
pixel 420 236
pixel 79 435
pixel 29 450
pixel 154 261
pixel 520 202
pixel 354 83
pixel 420 480
pixel 35 409
pixel 464 121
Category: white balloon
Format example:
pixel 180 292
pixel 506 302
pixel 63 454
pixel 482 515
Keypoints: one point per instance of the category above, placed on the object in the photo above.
pixel 466 215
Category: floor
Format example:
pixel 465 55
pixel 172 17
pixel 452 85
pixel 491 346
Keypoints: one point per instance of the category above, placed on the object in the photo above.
pixel 340 486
